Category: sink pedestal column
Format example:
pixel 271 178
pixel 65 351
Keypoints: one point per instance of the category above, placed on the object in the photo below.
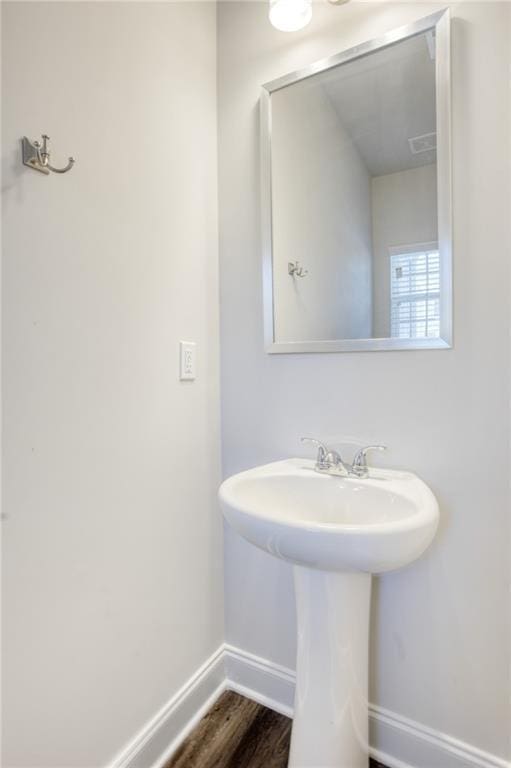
pixel 330 725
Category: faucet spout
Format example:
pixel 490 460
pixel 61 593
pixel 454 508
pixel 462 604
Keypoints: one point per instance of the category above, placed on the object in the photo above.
pixel 328 461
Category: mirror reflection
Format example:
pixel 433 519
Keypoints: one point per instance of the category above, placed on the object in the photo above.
pixel 354 199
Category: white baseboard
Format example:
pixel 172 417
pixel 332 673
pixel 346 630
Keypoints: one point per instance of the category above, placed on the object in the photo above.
pixel 163 734
pixel 414 744
pixel 396 741
pixel 261 680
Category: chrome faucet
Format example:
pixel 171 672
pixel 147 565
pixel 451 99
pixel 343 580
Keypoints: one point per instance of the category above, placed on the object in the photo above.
pixel 330 462
pixel 360 461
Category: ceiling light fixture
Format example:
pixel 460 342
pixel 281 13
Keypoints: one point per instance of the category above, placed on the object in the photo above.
pixel 290 15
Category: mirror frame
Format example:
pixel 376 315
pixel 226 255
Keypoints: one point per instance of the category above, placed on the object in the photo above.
pixel 440 22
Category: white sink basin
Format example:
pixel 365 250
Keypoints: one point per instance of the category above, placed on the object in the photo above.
pixel 332 523
pixel 336 531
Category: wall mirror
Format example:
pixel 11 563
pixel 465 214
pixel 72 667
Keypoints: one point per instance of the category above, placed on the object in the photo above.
pixel 356 201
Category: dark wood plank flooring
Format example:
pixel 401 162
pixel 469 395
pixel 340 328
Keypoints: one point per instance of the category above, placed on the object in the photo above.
pixel 237 733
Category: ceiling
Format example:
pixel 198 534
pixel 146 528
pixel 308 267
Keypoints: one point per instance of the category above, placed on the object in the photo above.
pixel 384 99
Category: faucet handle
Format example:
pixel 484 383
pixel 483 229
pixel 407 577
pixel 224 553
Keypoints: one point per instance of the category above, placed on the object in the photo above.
pixel 360 460
pixel 323 451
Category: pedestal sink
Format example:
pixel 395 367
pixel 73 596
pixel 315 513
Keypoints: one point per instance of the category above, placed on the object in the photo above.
pixel 336 531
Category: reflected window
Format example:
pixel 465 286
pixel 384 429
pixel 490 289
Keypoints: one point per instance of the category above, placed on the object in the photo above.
pixel 415 291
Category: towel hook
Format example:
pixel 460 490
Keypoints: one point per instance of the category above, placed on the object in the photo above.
pixel 294 269
pixel 37 156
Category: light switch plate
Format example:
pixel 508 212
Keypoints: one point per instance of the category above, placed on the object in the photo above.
pixel 187 356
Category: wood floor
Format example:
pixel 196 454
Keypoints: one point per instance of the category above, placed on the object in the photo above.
pixel 237 733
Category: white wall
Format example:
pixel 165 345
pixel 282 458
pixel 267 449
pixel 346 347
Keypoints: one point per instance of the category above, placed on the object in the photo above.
pixel 404 212
pixel 112 550
pixel 321 200
pixel 441 627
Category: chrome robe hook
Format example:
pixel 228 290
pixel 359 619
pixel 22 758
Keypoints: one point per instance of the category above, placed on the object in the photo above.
pixel 37 156
pixel 295 270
